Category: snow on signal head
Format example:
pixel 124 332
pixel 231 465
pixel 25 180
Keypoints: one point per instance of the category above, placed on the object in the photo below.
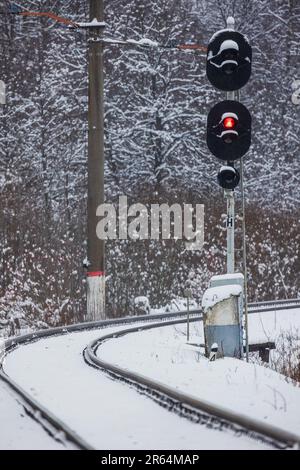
pixel 228 63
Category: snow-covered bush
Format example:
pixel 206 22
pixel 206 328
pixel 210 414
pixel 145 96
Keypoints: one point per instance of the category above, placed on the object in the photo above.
pixel 156 102
pixel 141 305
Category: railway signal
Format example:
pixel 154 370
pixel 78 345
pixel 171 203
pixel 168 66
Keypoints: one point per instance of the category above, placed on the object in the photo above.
pixel 229 130
pixel 228 177
pixel 229 57
pixel 228 68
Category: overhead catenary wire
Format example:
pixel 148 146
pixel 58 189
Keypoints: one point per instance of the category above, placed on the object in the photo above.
pixel 144 43
pixel 50 15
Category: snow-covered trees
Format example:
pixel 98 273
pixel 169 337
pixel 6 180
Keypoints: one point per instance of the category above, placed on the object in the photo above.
pixel 157 100
pixel 42 167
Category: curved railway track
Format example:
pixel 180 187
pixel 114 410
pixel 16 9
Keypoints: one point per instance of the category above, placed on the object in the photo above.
pixel 257 307
pixel 49 422
pixel 57 429
pixel 188 406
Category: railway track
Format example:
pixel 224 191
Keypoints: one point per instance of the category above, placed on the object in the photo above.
pixel 190 407
pixel 256 307
pixel 58 430
pixel 48 421
pixel 184 405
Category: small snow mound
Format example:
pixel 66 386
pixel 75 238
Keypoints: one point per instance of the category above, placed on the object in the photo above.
pixel 229 44
pixel 141 299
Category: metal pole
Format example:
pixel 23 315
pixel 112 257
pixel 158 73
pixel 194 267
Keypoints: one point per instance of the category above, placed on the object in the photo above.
pixel 188 320
pixel 95 246
pixel 244 251
pixel 245 259
pixel 229 195
pixel 188 295
pixel 230 221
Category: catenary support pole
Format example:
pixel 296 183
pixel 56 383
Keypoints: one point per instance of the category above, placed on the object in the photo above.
pixel 95 246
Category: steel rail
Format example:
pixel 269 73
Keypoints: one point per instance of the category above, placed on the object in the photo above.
pixel 77 327
pixel 256 307
pixel 277 304
pixel 60 431
pixel 187 405
pixel 47 420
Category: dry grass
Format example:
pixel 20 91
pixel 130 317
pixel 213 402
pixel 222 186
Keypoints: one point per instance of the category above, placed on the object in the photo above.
pixel 286 358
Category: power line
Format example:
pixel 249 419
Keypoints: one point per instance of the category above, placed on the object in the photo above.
pixel 144 43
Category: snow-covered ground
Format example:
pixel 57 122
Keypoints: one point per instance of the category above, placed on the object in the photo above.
pixel 268 326
pixel 251 389
pixel 107 413
pixel 18 430
pixel 111 415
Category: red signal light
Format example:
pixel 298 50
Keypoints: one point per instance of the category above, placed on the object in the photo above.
pixel 229 123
